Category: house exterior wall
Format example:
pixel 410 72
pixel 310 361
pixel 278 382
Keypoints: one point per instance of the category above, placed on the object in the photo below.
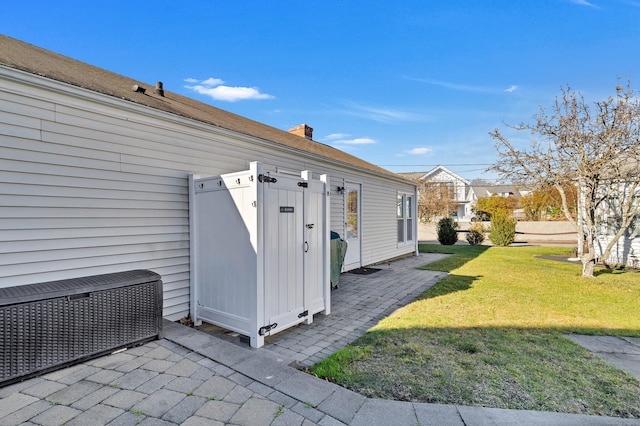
pixel 91 184
pixel 626 251
pixel 460 188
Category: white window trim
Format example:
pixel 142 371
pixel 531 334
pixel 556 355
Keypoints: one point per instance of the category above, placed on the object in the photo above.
pixel 407 239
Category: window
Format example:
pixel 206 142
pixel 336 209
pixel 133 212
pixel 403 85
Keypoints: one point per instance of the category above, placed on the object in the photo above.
pixel 405 218
pixel 352 214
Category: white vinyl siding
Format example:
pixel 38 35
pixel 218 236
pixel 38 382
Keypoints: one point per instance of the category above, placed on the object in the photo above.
pixel 90 184
pixel 625 252
pixel 627 249
pixel 337 205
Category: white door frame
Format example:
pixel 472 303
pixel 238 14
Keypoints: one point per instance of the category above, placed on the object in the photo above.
pixel 353 257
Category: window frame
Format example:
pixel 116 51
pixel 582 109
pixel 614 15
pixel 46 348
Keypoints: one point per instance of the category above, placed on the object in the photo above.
pixel 406 217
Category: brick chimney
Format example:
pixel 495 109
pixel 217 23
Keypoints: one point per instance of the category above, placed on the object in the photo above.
pixel 302 130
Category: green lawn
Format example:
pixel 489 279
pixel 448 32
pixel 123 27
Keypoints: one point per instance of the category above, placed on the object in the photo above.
pixel 490 334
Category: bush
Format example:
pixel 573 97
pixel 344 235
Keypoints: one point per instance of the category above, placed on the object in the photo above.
pixel 475 236
pixel 447 235
pixel 503 230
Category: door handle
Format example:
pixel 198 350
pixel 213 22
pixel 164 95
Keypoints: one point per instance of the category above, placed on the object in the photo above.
pixel 306 246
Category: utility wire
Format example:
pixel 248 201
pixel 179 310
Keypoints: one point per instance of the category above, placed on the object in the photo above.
pixel 434 165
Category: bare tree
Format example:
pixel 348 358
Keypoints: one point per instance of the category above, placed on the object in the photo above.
pixel 435 199
pixel 595 147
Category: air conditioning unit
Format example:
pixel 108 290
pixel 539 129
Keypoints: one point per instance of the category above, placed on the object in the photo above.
pixel 52 325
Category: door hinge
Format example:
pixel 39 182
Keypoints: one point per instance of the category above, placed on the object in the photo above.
pixel 266 179
pixel 303 184
pixel 303 314
pixel 267 328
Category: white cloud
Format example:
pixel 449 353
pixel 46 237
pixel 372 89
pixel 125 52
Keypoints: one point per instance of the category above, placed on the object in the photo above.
pixel 213 88
pixel 462 87
pixel 355 141
pixel 334 136
pixel 583 3
pixel 212 82
pixel 453 86
pixel 424 150
pixel 384 115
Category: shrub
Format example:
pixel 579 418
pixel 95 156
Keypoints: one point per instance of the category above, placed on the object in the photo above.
pixel 495 204
pixel 503 230
pixel 475 236
pixel 446 229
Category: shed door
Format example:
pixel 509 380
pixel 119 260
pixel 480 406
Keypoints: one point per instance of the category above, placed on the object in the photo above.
pixel 284 240
pixel 315 234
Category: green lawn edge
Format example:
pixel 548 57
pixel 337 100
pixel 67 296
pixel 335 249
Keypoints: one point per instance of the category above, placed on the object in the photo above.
pixel 490 334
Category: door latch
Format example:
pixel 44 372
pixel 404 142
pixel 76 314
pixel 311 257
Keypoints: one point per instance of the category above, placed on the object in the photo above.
pixel 267 328
pixel 266 179
pixel 309 225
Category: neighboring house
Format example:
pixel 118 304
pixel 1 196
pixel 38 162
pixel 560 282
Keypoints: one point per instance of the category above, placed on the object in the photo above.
pixel 626 251
pixel 465 193
pixel 95 172
pixel 490 190
pixel 459 187
pixel 500 190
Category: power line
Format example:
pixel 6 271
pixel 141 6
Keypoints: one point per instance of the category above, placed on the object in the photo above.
pixel 434 165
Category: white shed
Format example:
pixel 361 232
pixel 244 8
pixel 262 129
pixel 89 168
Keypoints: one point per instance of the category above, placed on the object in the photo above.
pixel 260 246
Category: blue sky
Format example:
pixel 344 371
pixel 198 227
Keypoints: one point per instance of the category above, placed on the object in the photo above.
pixel 405 85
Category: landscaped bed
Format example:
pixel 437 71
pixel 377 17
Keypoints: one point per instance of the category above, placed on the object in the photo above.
pixel 490 334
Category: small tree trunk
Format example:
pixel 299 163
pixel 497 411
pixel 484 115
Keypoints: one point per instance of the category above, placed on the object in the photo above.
pixel 588 258
pixel 588 265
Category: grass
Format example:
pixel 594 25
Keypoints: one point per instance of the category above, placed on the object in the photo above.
pixel 490 334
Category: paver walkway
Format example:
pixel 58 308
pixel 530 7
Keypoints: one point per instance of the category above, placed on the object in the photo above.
pixel 623 352
pixel 359 303
pixel 194 378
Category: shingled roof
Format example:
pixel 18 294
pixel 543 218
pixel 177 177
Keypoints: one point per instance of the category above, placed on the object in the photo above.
pixel 35 60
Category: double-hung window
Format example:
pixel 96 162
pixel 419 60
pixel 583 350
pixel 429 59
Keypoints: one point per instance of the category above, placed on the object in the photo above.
pixel 405 218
